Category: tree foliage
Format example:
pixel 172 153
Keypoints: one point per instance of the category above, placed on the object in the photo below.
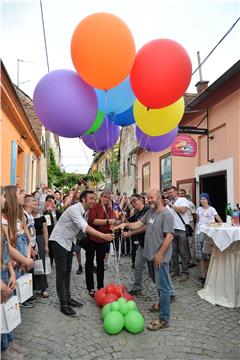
pixel 63 180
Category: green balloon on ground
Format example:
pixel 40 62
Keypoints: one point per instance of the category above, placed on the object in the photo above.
pixel 105 310
pixel 113 322
pixel 115 306
pixel 97 123
pixel 134 322
pixel 122 300
pixel 132 305
pixel 123 308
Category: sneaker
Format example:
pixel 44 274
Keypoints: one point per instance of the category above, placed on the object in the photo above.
pixel 67 310
pixel 80 270
pixel 27 304
pixel 92 293
pixel 133 266
pixel 135 292
pixel 192 265
pixel 10 355
pixel 172 298
pixel 183 277
pixel 44 294
pixel 15 346
pixel 74 303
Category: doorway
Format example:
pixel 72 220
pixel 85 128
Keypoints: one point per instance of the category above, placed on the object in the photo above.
pixel 215 185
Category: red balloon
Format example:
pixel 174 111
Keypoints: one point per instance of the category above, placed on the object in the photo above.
pixel 119 290
pixel 128 297
pixel 161 73
pixel 99 295
pixel 110 289
pixel 109 298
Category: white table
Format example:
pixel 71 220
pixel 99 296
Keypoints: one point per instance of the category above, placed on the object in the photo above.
pixel 222 286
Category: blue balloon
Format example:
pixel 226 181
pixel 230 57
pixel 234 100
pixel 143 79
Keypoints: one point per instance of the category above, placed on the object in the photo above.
pixel 123 119
pixel 117 99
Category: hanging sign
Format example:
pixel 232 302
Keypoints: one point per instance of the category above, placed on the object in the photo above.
pixel 184 145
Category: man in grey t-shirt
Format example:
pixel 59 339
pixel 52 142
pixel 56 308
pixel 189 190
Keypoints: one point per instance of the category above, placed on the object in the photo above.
pixel 159 228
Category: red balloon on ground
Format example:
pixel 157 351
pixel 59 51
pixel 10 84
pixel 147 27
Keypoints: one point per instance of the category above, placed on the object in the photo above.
pixel 119 290
pixel 109 298
pixel 110 289
pixel 99 295
pixel 161 73
pixel 128 297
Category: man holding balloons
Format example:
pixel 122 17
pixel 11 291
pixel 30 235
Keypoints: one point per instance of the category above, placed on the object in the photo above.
pixel 157 247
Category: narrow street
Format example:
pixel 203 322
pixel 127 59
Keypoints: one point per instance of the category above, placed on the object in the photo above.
pixel 198 330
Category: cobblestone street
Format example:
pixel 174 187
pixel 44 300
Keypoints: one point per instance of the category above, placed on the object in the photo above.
pixel 198 330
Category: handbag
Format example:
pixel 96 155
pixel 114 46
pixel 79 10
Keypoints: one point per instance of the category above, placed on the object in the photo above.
pixel 48 267
pixel 188 228
pixel 10 315
pixel 24 287
pixel 38 267
pixel 82 240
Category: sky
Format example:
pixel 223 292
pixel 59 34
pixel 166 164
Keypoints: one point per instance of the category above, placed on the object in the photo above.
pixel 197 25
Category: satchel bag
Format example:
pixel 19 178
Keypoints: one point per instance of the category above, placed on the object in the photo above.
pixel 38 267
pixel 24 287
pixel 188 228
pixel 82 240
pixel 10 315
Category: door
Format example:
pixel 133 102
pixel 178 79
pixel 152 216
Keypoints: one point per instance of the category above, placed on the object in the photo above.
pixel 216 186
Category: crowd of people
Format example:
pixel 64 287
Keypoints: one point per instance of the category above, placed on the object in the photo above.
pixel 160 229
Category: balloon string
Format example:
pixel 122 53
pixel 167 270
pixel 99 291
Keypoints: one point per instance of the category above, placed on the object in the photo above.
pixel 84 151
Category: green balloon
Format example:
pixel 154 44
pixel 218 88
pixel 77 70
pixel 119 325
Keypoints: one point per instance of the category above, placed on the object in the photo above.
pixel 115 306
pixel 122 300
pixel 134 322
pixel 132 305
pixel 123 308
pixel 113 322
pixel 97 123
pixel 105 310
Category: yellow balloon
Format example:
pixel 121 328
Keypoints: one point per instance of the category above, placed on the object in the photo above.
pixel 155 122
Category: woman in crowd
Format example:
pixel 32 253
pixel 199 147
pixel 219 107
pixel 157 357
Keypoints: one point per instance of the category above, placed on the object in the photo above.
pixel 205 214
pixel 10 242
pixel 101 218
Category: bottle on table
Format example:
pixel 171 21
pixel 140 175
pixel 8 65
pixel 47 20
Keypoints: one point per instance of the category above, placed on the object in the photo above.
pixel 229 214
pixel 235 215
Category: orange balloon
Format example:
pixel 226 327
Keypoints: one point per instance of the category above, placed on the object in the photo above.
pixel 103 50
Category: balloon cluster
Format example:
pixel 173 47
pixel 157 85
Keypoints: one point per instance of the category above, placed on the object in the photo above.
pixel 119 310
pixel 114 86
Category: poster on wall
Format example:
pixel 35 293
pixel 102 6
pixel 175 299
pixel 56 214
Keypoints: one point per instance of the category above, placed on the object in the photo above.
pixel 184 145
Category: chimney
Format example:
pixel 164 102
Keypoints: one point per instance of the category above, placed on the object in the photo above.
pixel 201 85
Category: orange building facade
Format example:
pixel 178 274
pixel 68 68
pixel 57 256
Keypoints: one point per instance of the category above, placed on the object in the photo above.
pixel 20 149
pixel 216 167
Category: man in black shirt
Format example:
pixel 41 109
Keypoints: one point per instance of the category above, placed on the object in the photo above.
pixel 137 236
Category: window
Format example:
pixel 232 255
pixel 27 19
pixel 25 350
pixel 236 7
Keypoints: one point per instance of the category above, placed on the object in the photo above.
pixel 129 166
pixel 165 171
pixel 146 177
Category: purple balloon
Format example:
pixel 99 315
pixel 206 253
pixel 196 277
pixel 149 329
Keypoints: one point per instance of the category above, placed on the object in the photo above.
pixel 104 138
pixel 64 103
pixel 155 143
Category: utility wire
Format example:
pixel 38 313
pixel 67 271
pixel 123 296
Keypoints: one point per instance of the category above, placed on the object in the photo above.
pixel 216 45
pixel 44 35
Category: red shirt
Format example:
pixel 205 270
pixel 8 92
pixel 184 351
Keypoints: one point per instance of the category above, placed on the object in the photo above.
pixel 98 212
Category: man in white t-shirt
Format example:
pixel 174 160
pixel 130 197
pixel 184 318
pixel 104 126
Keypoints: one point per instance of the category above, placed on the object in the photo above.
pixel 179 207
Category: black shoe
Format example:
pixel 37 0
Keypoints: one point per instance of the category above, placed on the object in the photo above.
pixel 94 269
pixel 27 304
pixel 92 293
pixel 135 292
pixel 80 270
pixel 74 303
pixel 192 265
pixel 133 266
pixel 67 310
pixel 172 298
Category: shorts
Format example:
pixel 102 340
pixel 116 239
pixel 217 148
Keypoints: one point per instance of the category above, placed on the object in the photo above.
pixel 199 242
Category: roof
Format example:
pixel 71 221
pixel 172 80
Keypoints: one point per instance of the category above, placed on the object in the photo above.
pixel 228 75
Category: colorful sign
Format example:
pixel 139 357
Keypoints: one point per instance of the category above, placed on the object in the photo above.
pixel 184 145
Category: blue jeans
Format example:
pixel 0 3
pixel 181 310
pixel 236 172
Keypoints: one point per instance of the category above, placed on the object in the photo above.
pixel 5 340
pixel 163 287
pixel 22 244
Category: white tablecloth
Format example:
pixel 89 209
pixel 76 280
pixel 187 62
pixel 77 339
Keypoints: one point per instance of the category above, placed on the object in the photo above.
pixel 222 286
